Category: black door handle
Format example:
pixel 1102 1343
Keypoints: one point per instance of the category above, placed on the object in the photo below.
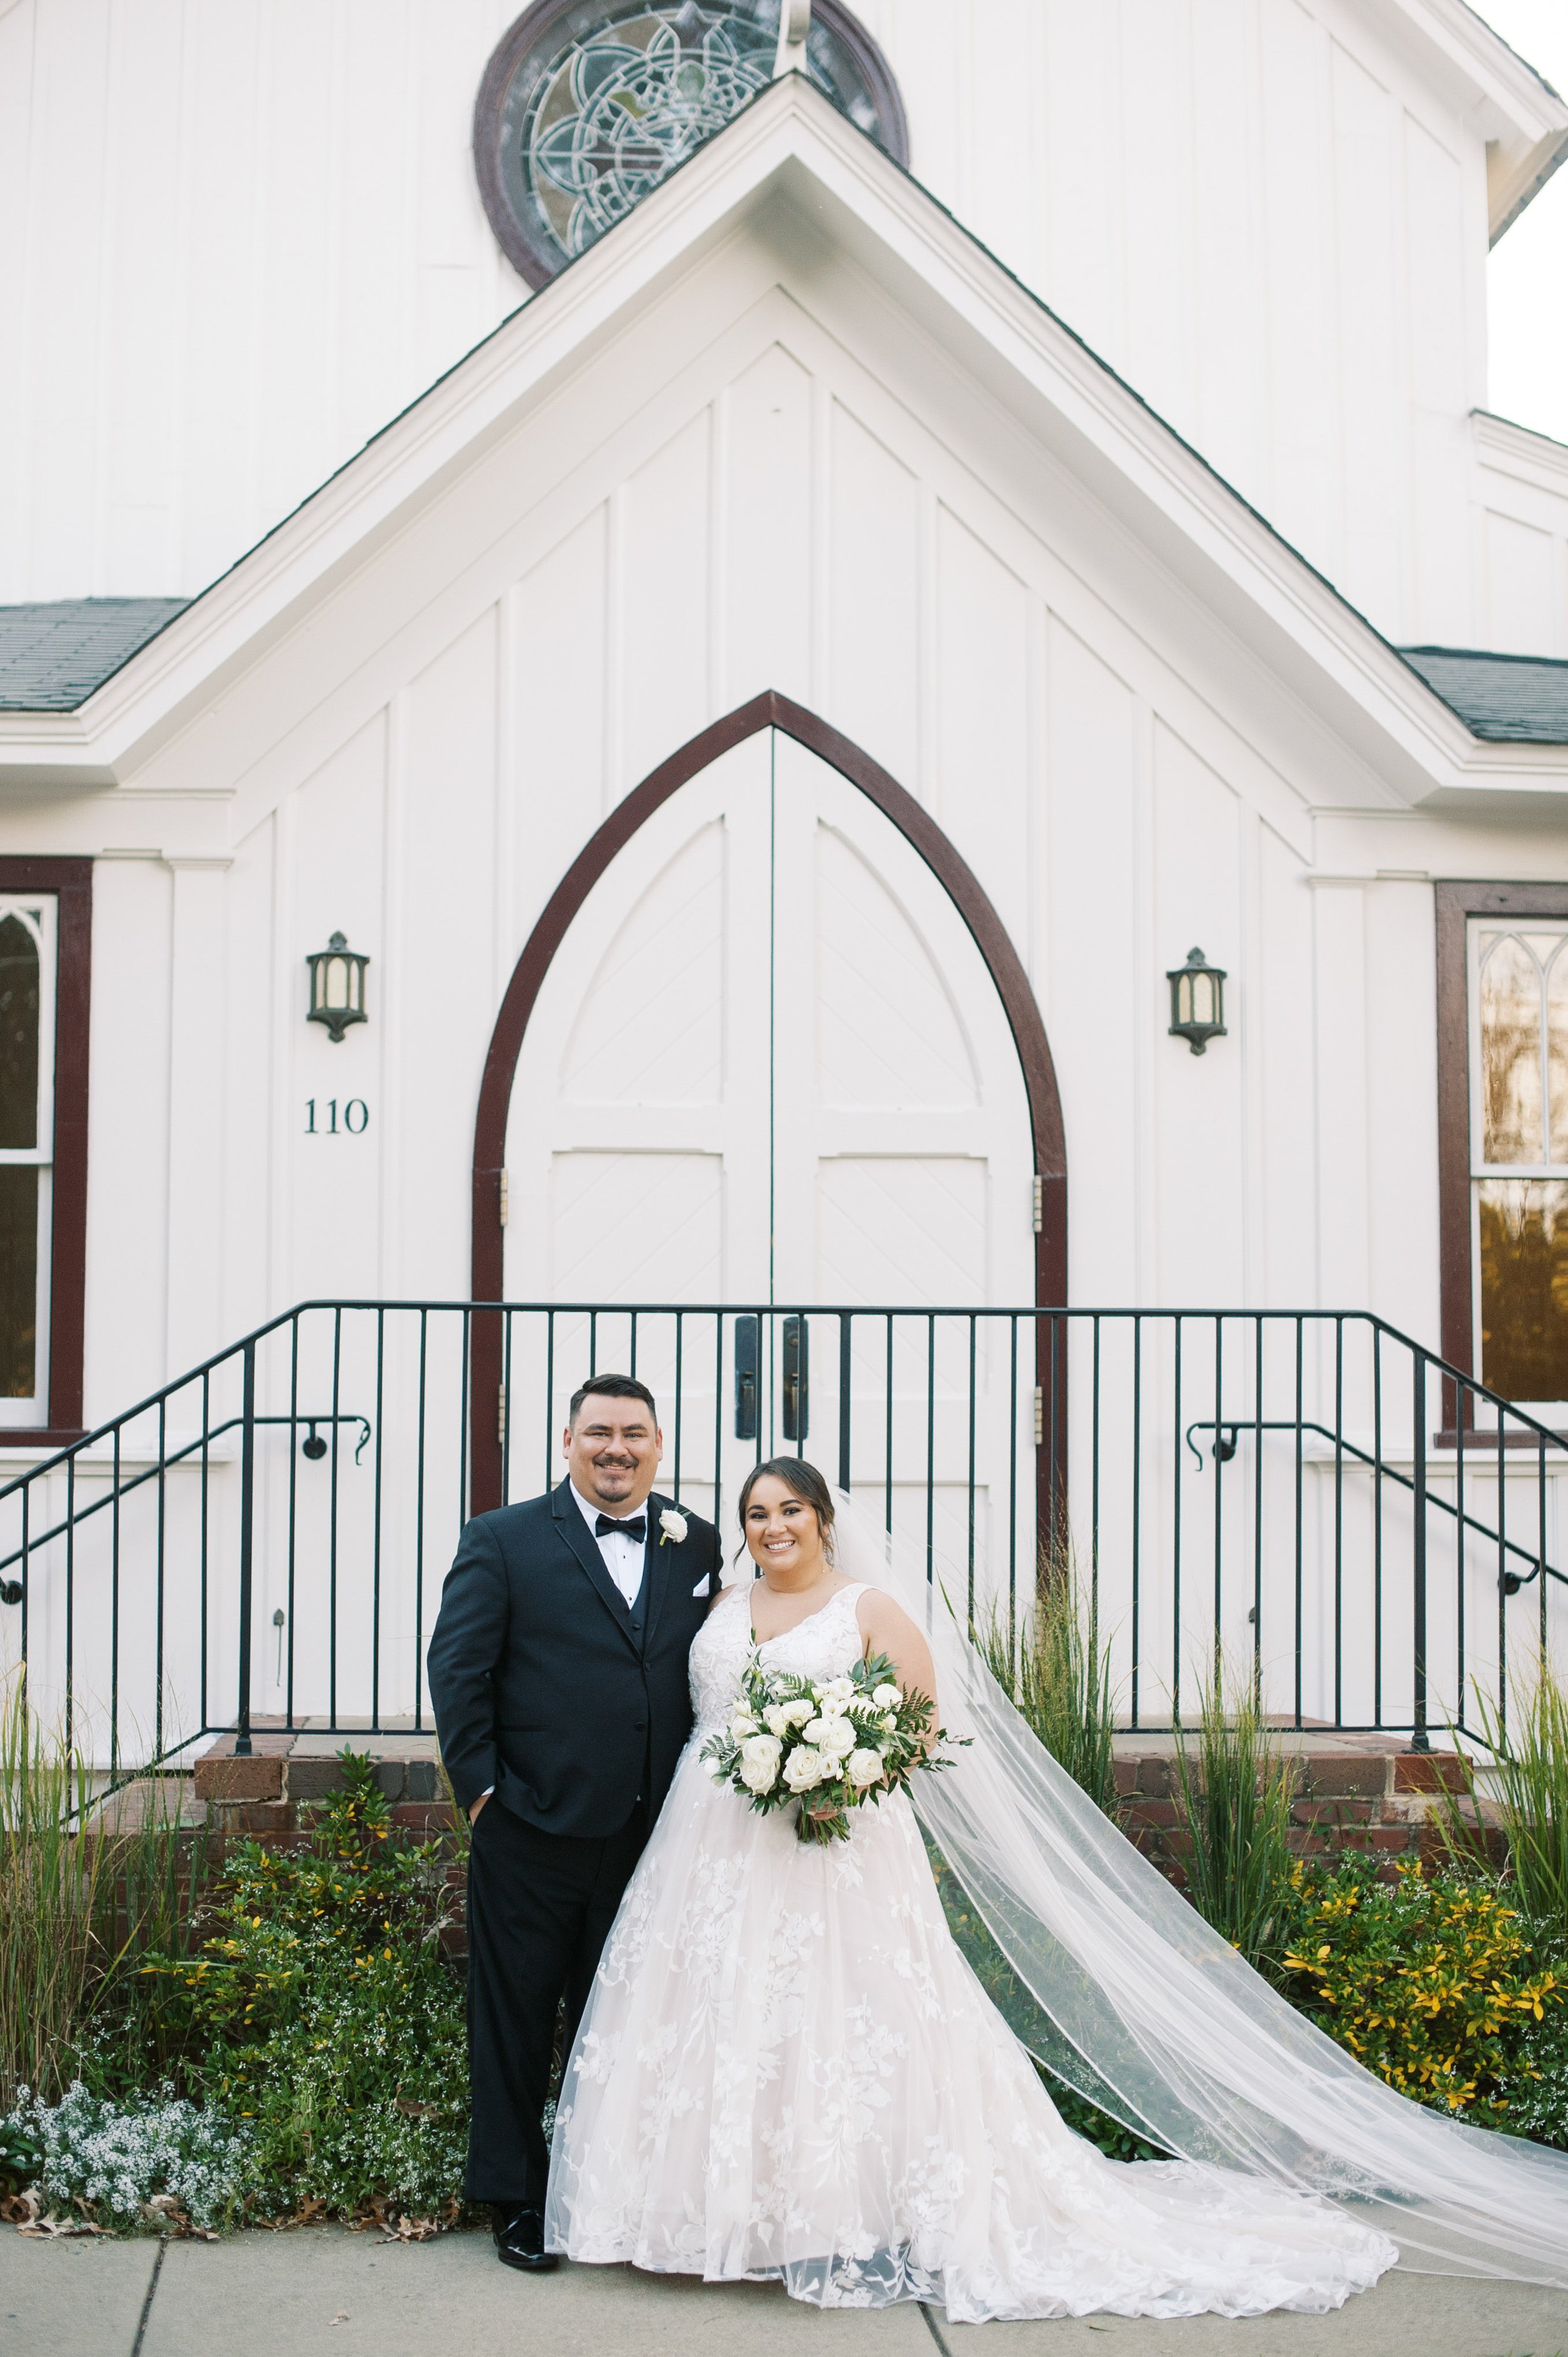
pixel 796 1379
pixel 746 1365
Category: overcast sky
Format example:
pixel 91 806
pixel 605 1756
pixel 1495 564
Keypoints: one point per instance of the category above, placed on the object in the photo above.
pixel 1528 309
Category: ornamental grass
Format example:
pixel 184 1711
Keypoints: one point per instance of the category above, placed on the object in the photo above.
pixel 1056 1674
pixel 1235 1794
pixel 1527 1788
pixel 50 1903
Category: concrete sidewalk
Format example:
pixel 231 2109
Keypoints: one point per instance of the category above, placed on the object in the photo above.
pixel 324 2292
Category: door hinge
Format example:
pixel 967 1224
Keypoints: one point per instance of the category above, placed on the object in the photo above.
pixel 504 1196
pixel 1039 1203
pixel 500 1413
pixel 1039 1417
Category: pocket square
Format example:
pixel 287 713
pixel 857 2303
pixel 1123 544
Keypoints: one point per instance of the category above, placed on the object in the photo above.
pixel 702 1586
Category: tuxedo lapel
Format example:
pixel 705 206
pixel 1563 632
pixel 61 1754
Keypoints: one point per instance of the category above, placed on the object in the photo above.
pixel 575 1531
pixel 656 1569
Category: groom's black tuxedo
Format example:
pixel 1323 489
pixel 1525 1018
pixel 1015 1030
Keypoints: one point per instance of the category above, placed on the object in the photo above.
pixel 547 1685
pixel 574 1707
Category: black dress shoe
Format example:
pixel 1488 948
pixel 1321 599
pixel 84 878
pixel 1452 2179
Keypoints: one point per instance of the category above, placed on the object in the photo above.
pixel 519 2238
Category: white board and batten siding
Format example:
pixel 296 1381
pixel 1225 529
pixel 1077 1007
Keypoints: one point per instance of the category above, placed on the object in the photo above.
pixel 238 236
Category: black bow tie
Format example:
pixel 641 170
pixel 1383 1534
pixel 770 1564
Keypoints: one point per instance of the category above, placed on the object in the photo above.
pixel 634 1527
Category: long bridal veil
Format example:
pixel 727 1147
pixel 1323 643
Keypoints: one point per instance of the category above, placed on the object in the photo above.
pixel 1126 1994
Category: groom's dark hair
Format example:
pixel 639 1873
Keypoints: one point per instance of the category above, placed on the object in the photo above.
pixel 612 1387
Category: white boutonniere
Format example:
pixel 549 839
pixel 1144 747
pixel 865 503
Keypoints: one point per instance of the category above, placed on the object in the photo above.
pixel 671 1525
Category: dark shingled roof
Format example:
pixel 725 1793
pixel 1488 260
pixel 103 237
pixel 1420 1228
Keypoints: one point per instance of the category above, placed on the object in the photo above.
pixel 1511 699
pixel 53 656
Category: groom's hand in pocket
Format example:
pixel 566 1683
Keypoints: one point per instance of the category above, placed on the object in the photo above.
pixel 475 1806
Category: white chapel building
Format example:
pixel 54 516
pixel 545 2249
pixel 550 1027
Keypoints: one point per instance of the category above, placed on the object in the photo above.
pixel 747 593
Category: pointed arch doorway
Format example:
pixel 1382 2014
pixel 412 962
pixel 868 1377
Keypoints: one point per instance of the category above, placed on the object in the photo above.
pixel 768 1041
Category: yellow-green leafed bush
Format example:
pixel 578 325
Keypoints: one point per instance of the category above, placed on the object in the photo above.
pixel 1432 1984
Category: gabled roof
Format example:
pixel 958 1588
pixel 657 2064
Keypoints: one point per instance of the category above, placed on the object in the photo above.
pixel 791 153
pixel 53 656
pixel 1523 119
pixel 1507 699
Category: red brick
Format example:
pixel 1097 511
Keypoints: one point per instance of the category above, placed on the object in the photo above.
pixel 1429 1771
pixel 1387 1837
pixel 1352 1775
pixel 226 1779
pixel 426 1816
pixel 1156 1813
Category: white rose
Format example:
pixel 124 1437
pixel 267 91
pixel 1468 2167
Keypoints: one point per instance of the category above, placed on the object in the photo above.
pixel 889 1724
pixel 836 1739
pixel 711 1767
pixel 839 1689
pixel 759 1762
pixel 673 1526
pixel 742 1725
pixel 795 1714
pixel 803 1768
pixel 831 1706
pixel 886 1697
pixel 778 1718
pixel 864 1767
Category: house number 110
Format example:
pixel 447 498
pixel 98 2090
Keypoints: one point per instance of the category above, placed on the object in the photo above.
pixel 356 1117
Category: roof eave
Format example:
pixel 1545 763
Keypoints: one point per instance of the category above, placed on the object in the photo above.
pixel 793 139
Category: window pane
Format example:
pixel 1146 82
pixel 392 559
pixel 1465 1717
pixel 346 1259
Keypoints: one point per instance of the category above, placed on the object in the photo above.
pixel 1557 1048
pixel 1511 1052
pixel 19 1035
pixel 1524 1288
pixel 18 1280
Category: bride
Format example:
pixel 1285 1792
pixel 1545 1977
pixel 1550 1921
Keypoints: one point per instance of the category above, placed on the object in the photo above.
pixel 786 2070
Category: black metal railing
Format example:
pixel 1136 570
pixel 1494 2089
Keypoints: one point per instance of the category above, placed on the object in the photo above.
pixel 1308 1493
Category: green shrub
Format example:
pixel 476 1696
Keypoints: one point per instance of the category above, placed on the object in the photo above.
pixel 321 2013
pixel 1432 1983
pixel 1235 1799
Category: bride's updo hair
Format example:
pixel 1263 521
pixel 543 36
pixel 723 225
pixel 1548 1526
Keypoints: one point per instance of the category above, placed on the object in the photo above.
pixel 806 1482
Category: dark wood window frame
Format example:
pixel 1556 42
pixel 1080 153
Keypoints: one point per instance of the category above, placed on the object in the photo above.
pixel 1456 904
pixel 70 881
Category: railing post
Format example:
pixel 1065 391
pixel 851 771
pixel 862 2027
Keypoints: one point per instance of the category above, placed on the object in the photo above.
pixel 845 1366
pixel 247 1547
pixel 1419 1740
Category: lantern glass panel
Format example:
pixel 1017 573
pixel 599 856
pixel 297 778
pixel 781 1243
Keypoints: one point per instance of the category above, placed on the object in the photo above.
pixel 336 972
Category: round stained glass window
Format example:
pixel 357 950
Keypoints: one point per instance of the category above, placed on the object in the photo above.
pixel 585 107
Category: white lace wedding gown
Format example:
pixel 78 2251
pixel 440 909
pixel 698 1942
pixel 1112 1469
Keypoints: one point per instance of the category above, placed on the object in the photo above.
pixel 787 2069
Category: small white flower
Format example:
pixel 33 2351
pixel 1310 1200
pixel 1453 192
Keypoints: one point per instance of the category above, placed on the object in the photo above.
pixel 741 1726
pixel 759 1762
pixel 886 1697
pixel 804 1768
pixel 672 1525
pixel 776 1718
pixel 795 1714
pixel 890 1723
pixel 864 1767
pixel 711 1767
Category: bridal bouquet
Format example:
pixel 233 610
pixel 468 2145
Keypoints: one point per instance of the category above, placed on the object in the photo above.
pixel 831 1747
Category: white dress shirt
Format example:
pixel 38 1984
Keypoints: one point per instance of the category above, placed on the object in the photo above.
pixel 624 1557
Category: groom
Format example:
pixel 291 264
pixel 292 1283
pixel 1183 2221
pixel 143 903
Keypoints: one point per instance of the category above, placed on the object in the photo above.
pixel 557 1670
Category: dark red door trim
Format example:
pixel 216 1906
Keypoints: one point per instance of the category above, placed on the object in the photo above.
pixel 70 880
pixel 769 710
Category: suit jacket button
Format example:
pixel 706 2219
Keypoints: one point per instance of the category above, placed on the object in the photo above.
pixel 639 1726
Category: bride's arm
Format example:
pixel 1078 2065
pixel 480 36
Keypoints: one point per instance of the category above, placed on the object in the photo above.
pixel 888 1629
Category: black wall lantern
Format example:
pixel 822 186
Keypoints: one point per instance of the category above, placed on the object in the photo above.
pixel 1197 1001
pixel 337 987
